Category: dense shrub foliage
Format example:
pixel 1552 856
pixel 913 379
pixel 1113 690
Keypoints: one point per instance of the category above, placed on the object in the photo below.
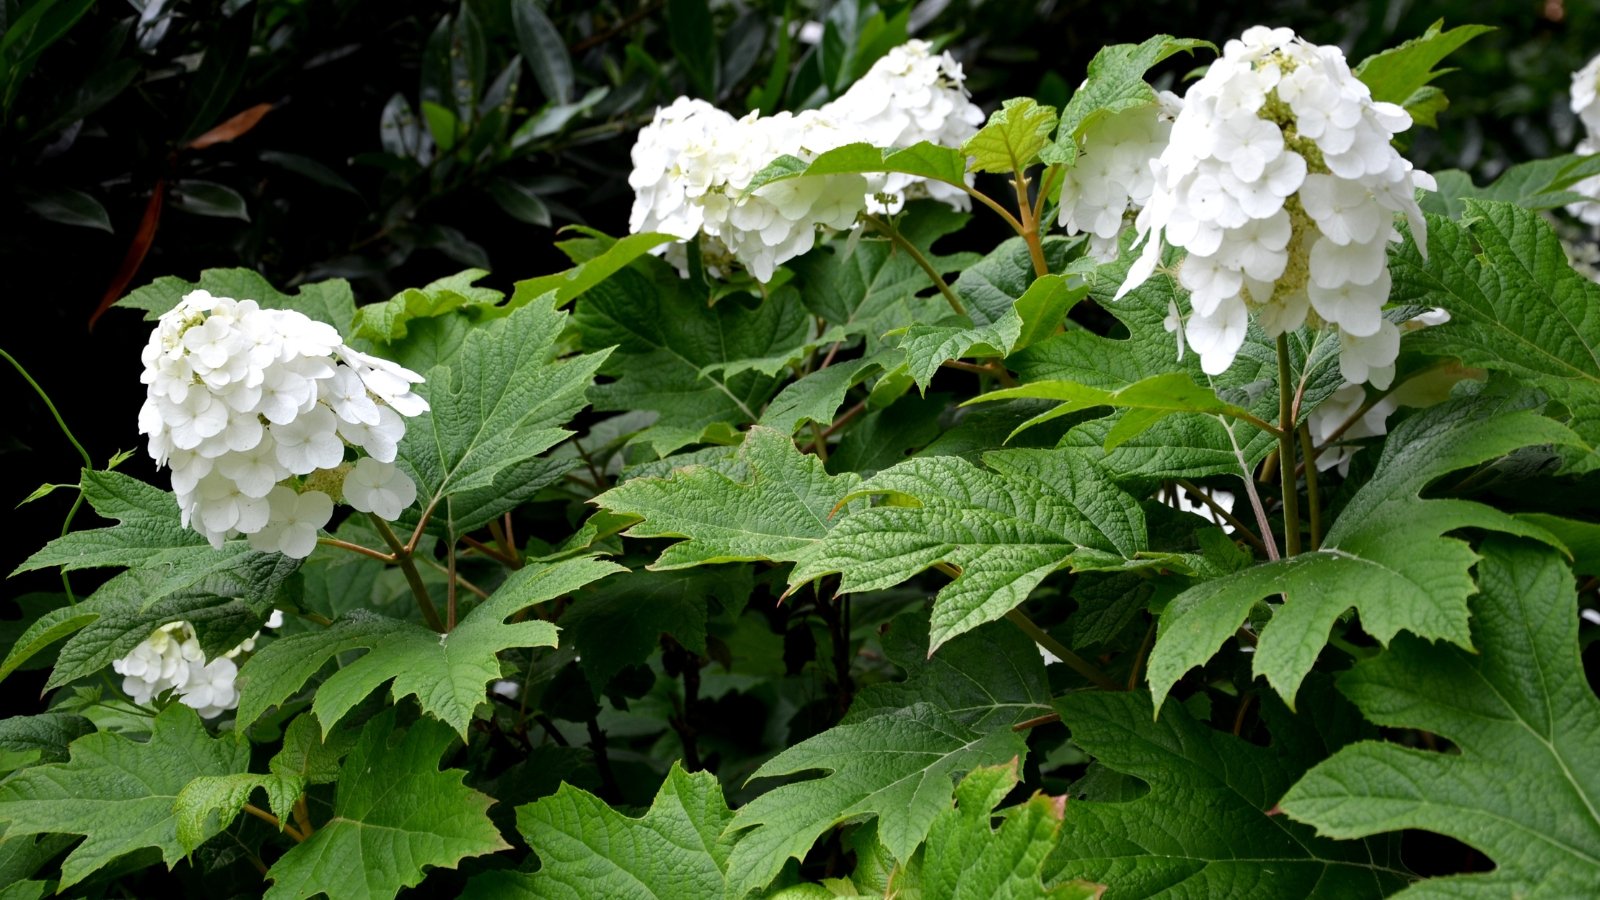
pixel 1161 487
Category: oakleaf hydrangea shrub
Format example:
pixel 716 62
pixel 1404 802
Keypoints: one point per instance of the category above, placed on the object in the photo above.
pixel 1221 531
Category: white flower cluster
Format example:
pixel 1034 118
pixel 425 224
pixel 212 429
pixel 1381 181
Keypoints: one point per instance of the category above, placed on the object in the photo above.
pixel 1586 105
pixel 909 96
pixel 241 400
pixel 693 162
pixel 170 660
pixel 1281 184
pixel 1113 176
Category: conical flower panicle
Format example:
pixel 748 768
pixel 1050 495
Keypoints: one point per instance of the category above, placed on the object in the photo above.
pixel 247 405
pixel 1281 184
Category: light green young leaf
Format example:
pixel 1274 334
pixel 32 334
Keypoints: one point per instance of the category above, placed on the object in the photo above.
pixel 677 849
pixel 326 301
pixel 1160 395
pixel 778 514
pixel 668 342
pixel 573 282
pixel 924 159
pixel 449 674
pixel 1005 527
pixel 1516 306
pixel 394 813
pixel 1115 83
pixel 1203 829
pixel 1386 555
pixel 896 753
pixel 1538 184
pixel 1034 316
pixel 1525 787
pixel 1401 74
pixel 1012 138
pixel 118 792
pixel 966 858
pixel 389 321
pixel 498 404
pixel 211 803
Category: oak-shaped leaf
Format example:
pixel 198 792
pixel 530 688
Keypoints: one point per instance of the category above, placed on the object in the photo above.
pixel 118 792
pixel 778 514
pixel 1524 786
pixel 1202 829
pixel 1386 555
pixel 898 751
pixel 448 673
pixel 395 814
pixel 677 849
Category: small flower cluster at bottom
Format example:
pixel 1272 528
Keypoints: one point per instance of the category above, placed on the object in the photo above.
pixel 170 661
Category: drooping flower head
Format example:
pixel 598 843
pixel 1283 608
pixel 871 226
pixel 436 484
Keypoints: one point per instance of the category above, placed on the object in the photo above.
pixel 244 404
pixel 170 661
pixel 1281 184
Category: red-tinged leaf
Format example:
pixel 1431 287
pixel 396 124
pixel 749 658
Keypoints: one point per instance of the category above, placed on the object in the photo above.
pixel 137 248
pixel 233 128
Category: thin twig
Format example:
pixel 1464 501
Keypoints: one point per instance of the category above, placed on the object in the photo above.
pixel 408 566
pixel 995 370
pixel 990 202
pixel 1036 721
pixel 1030 227
pixel 272 820
pixel 357 548
pixel 1262 522
pixel 450 586
pixel 895 237
pixel 460 579
pixel 492 552
pixel 1238 718
pixel 1059 650
pixel 1238 526
pixel 1139 658
pixel 88 463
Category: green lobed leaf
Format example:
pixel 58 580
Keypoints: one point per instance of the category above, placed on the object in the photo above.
pixel 966 858
pixel 449 674
pixel 1516 306
pixel 1115 83
pixel 394 813
pixel 1203 828
pixel 897 752
pixel 1538 185
pixel 1005 527
pixel 1012 138
pixel 326 301
pixel 572 283
pixel 1034 315
pixel 118 793
pixel 1401 74
pixel 677 849
pixel 498 404
pixel 817 397
pixel 924 159
pixel 778 513
pixel 48 733
pixel 668 342
pixel 1160 395
pixel 389 321
pixel 1524 787
pixel 1386 555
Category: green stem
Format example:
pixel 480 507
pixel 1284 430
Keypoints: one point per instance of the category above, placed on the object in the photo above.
pixel 990 202
pixel 899 241
pixel 1059 650
pixel 88 463
pixel 1286 432
pixel 1313 492
pixel 402 558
